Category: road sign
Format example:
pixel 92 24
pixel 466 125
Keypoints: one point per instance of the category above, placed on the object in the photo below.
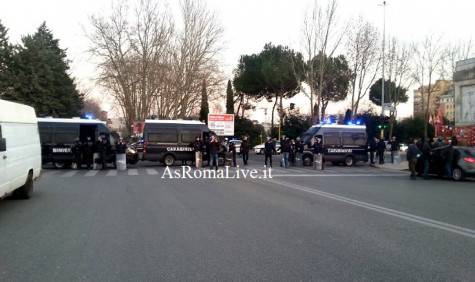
pixel 221 124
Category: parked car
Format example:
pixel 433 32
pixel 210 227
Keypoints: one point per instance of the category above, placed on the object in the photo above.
pixel 237 144
pixel 463 164
pixel 20 150
pixel 403 147
pixel 259 149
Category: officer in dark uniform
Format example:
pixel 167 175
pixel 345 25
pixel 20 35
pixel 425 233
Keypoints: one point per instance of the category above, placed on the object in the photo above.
pixel 77 152
pixel 245 150
pixel 101 148
pixel 232 150
pixel 269 149
pixel 87 152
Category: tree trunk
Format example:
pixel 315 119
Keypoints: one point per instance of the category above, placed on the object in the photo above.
pixel 273 110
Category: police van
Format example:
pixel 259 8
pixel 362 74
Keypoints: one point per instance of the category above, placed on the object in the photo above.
pixel 345 144
pixel 58 135
pixel 168 141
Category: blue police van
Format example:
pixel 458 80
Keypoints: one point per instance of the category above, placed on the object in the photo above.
pixel 345 144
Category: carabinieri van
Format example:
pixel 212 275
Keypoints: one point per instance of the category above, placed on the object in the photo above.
pixel 342 143
pixel 169 140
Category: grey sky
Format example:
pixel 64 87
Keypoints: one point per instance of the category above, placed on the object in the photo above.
pixel 248 24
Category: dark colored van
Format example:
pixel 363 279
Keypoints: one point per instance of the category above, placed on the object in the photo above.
pixel 57 137
pixel 168 141
pixel 342 143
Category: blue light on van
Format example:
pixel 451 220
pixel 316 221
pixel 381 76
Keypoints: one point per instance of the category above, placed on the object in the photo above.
pixel 349 123
pixel 89 116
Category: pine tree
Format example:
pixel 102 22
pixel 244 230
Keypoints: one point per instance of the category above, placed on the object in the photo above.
pixel 204 111
pixel 41 76
pixel 229 99
pixel 6 52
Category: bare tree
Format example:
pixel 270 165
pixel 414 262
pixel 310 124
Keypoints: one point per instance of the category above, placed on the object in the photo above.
pixel 429 57
pixel 458 51
pixel 321 36
pixel 364 58
pixel 130 46
pixel 398 60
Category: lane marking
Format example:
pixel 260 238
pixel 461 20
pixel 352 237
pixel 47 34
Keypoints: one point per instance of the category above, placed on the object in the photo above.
pixel 395 213
pixel 132 171
pixel 91 173
pixel 112 172
pixel 151 171
pixel 70 173
pixel 338 175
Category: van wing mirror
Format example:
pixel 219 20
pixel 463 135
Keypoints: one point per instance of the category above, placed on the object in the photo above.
pixel 3 144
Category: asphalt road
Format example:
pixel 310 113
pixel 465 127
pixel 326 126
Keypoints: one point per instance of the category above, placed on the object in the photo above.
pixel 340 224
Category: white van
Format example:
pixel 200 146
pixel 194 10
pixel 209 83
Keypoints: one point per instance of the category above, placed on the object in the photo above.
pixel 20 149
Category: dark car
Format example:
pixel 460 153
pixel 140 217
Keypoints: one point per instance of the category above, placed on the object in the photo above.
pixel 463 162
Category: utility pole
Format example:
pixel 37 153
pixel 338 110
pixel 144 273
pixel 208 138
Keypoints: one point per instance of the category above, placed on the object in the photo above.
pixel 384 59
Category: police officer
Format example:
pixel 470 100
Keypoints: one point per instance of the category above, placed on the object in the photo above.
pixel 298 150
pixel 245 150
pixel 77 152
pixel 372 144
pixel 381 147
pixel 87 152
pixel 197 148
pixel 318 154
pixel 269 149
pixel 101 148
pixel 232 150
pixel 214 148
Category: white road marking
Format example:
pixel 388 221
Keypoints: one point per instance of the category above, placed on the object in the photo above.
pixel 151 171
pixel 91 173
pixel 70 173
pixel 402 215
pixel 112 172
pixel 132 171
pixel 337 175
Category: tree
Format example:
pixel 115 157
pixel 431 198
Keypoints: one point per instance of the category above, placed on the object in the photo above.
pixel 6 53
pixel 412 128
pixel 91 106
pixel 204 110
pixel 429 56
pixel 364 59
pixel 274 73
pixel 41 76
pixel 229 99
pixel 321 37
pixel 335 81
pixel 295 125
pixel 246 127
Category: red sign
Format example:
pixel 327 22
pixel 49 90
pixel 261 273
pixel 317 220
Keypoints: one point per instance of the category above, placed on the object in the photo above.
pixel 221 124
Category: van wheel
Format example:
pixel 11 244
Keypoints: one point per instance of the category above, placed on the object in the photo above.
pixel 25 191
pixel 457 174
pixel 59 165
pixel 169 160
pixel 307 160
pixel 349 161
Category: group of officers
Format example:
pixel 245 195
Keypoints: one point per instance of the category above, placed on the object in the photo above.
pixel 292 151
pixel 101 152
pixel 210 149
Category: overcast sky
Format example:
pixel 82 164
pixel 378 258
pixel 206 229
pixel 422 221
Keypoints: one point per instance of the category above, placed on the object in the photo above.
pixel 248 24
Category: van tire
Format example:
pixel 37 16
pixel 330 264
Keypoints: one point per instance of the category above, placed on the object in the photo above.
pixel 59 165
pixel 457 174
pixel 307 160
pixel 169 160
pixel 349 161
pixel 25 191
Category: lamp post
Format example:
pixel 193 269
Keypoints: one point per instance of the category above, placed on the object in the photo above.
pixel 383 57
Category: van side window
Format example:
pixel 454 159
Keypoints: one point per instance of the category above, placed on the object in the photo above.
pixel 66 134
pixel 353 138
pixel 189 136
pixel 165 136
pixel 331 138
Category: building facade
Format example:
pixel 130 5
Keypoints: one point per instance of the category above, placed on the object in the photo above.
pixel 447 105
pixel 439 88
pixel 464 85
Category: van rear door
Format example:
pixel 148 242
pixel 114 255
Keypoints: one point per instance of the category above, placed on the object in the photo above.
pixel 3 167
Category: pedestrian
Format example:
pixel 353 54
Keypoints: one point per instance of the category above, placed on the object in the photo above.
pixel 245 150
pixel 77 152
pixel 381 147
pixel 394 148
pixel 426 155
pixel 269 149
pixel 197 148
pixel 214 148
pixel 120 155
pixel 372 144
pixel 298 150
pixel 413 153
pixel 285 149
pixel 232 150
pixel 318 154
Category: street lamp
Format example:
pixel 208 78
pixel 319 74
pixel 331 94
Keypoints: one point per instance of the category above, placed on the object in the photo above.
pixel 383 57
